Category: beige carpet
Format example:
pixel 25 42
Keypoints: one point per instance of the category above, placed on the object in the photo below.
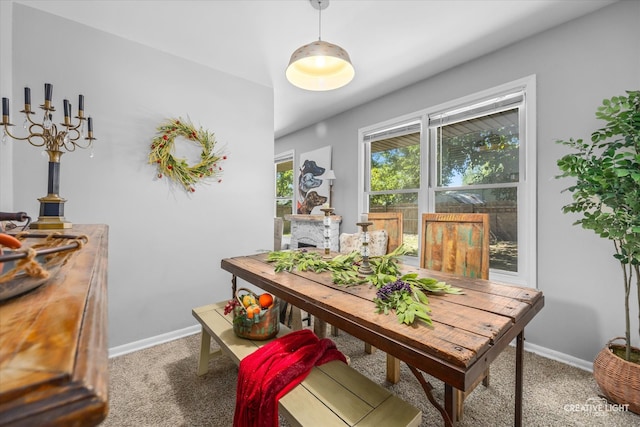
pixel 159 387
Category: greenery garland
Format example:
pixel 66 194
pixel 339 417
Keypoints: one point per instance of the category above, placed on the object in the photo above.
pixel 405 295
pixel 178 169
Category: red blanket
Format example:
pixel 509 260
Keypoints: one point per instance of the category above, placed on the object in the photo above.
pixel 275 368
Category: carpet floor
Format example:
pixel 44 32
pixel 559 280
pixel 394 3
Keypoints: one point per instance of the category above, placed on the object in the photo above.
pixel 158 386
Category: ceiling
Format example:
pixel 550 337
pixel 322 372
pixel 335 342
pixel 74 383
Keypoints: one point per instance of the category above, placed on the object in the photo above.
pixel 392 43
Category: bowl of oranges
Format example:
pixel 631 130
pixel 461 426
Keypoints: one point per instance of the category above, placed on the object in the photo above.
pixel 257 317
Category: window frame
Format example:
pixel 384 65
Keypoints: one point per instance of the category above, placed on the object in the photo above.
pixel 364 156
pixel 526 186
pixel 283 157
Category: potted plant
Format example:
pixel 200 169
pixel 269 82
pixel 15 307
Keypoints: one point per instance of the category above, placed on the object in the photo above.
pixel 607 194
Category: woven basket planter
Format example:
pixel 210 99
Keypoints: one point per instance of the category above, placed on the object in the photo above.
pixel 618 379
pixel 262 326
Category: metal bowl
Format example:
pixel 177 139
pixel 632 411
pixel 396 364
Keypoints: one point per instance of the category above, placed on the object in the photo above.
pixel 21 282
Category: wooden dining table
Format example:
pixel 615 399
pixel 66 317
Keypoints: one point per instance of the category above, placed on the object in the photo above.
pixel 469 331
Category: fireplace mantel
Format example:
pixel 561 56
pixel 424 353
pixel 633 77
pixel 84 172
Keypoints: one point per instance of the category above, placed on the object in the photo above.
pixel 308 230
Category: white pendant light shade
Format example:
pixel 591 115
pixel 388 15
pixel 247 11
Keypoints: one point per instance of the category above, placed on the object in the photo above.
pixel 320 66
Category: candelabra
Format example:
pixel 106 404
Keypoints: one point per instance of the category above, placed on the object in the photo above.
pixel 365 267
pixel 327 230
pixel 56 143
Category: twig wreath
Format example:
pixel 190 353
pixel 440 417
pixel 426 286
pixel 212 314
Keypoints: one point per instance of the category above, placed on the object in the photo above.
pixel 178 169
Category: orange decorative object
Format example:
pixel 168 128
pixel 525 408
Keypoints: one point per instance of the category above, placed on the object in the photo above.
pixel 9 241
pixel 265 300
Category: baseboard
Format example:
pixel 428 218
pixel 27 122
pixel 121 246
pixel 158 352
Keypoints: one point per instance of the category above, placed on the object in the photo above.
pixel 560 357
pixel 153 341
pixel 181 333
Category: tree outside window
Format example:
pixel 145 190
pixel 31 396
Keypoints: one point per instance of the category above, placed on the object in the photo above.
pixel 284 192
pixel 477 164
pixel 394 181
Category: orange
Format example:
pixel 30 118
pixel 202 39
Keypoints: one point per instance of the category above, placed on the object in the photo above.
pixel 265 300
pixel 252 310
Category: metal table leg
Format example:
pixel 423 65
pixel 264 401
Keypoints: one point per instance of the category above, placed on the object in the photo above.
pixel 448 413
pixel 519 377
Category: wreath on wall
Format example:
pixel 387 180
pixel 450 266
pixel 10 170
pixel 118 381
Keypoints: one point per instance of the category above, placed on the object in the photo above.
pixel 177 169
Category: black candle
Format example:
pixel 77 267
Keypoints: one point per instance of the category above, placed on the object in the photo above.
pixel 90 124
pixel 66 107
pixel 27 96
pixel 80 102
pixel 5 106
pixel 48 91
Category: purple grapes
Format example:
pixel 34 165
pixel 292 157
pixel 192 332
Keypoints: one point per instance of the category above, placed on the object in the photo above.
pixel 385 292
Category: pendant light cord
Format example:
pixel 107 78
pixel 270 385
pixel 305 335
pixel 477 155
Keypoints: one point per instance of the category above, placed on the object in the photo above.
pixel 319 20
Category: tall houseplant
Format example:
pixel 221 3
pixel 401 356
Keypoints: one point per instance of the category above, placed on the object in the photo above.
pixel 607 191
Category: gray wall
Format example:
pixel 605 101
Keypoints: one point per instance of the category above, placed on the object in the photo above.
pixel 6 150
pixel 577 65
pixel 165 245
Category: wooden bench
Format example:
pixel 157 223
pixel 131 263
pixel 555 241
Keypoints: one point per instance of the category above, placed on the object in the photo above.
pixel 333 394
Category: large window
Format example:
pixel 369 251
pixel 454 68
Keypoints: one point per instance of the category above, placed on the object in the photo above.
pixel 284 188
pixel 477 167
pixel 481 158
pixel 393 184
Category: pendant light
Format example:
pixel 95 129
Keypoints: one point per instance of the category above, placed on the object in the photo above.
pixel 320 65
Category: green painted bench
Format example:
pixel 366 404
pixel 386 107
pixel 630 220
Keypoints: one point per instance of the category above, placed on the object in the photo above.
pixel 334 394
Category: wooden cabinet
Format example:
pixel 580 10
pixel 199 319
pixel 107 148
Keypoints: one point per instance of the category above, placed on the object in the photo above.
pixel 53 343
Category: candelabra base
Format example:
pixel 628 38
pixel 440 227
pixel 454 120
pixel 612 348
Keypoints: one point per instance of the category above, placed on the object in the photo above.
pixel 365 269
pixel 51 213
pixel 50 223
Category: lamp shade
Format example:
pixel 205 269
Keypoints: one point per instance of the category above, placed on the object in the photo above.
pixel 320 66
pixel 329 174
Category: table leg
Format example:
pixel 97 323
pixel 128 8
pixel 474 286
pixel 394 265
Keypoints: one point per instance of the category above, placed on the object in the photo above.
pixel 393 369
pixel 320 327
pixel 451 398
pixel 519 378
pixel 234 286
pixel 296 318
pixel 448 413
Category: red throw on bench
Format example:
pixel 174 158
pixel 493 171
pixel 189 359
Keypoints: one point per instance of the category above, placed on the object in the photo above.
pixel 275 368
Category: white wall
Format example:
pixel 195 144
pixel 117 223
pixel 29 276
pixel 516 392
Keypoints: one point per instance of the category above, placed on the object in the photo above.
pixel 165 245
pixel 577 65
pixel 6 150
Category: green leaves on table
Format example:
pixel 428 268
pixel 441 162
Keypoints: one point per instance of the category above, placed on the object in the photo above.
pixel 429 284
pixel 343 267
pixel 407 302
pixel 405 295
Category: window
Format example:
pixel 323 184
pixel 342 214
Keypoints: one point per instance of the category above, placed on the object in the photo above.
pixel 393 184
pixel 481 158
pixel 477 167
pixel 284 188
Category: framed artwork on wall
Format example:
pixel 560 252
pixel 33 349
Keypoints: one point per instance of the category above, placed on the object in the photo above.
pixel 313 189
